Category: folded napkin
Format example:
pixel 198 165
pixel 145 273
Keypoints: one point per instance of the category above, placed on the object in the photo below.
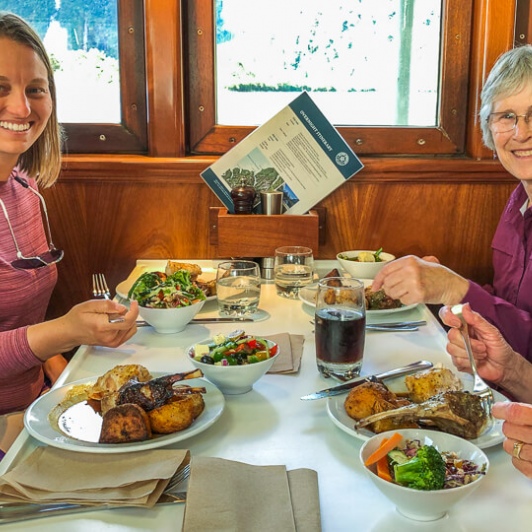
pixel 290 351
pixel 227 496
pixel 122 479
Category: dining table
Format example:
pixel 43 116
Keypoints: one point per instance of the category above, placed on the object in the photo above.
pixel 272 425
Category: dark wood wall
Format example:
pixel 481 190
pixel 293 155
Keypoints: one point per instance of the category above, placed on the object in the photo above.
pixel 108 212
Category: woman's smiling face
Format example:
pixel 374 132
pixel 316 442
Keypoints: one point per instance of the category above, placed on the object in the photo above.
pixel 25 100
pixel 514 148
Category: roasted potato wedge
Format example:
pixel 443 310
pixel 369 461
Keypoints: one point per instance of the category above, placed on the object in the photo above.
pixel 125 424
pixel 174 416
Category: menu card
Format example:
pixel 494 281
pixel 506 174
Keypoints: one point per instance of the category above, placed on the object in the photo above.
pixel 298 152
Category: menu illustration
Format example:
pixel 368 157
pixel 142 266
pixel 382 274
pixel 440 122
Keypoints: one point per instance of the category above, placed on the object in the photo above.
pixel 298 151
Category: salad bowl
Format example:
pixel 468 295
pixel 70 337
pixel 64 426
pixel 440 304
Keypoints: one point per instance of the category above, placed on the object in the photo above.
pixel 232 379
pixel 427 504
pixel 167 302
pixel 357 263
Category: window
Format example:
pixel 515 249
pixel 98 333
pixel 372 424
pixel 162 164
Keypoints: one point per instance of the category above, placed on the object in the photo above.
pixel 425 62
pixel 366 63
pixel 97 64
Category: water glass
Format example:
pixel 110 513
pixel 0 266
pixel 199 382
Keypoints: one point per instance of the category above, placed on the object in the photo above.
pixel 340 327
pixel 293 270
pixel 238 287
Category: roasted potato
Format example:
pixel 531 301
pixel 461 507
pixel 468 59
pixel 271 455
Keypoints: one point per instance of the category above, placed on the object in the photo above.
pixel 426 384
pixel 125 424
pixel 174 416
pixel 173 266
pixel 370 398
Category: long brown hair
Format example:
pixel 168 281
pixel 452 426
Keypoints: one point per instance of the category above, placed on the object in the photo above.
pixel 43 159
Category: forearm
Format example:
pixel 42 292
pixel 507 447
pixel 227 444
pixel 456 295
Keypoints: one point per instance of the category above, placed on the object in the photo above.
pixel 515 324
pixel 49 338
pixel 518 378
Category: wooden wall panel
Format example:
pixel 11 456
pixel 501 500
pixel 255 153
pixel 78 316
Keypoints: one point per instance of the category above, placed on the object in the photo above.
pixel 105 220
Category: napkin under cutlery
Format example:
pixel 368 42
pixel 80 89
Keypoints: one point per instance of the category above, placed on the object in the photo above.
pixel 224 496
pixel 49 475
pixel 290 352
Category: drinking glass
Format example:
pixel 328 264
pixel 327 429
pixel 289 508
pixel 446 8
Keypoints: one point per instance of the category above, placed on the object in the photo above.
pixel 293 269
pixel 340 327
pixel 238 287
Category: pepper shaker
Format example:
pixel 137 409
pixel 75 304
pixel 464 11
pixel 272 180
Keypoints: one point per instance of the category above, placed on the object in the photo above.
pixel 243 197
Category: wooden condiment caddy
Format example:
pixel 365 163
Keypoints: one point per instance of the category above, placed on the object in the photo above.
pixel 258 235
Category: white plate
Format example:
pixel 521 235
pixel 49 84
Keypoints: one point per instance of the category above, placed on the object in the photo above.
pixel 336 411
pixel 37 424
pixel 122 289
pixel 307 294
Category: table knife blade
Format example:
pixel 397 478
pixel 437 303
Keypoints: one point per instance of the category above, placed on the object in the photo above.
pixel 344 388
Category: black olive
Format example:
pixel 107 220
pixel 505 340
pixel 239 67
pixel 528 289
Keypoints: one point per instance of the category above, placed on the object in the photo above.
pixel 206 359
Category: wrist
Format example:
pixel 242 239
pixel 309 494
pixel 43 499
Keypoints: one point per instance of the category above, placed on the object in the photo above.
pixel 456 292
pixel 516 376
pixel 49 338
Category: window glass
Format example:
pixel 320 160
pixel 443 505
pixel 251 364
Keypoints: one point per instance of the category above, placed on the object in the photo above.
pixel 366 62
pixel 82 41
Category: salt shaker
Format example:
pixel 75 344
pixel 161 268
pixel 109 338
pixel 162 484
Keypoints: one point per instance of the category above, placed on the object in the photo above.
pixel 243 197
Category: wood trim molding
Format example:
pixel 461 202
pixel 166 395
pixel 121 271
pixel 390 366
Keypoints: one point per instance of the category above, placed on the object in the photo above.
pixel 140 169
pixel 166 130
pixel 487 46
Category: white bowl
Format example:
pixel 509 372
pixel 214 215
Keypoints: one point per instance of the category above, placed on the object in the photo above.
pixel 233 380
pixel 425 505
pixel 170 320
pixel 363 270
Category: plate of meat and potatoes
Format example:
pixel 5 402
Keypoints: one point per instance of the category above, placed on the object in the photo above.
pixel 349 412
pixel 75 418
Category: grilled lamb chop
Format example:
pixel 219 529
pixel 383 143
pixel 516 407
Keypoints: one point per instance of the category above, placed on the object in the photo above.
pixel 154 393
pixel 454 412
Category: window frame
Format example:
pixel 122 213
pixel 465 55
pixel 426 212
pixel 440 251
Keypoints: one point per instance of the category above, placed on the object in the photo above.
pixel 448 138
pixel 129 136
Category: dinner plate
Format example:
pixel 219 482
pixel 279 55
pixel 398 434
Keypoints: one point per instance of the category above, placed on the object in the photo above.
pixel 338 415
pixel 307 294
pixel 37 423
pixel 122 289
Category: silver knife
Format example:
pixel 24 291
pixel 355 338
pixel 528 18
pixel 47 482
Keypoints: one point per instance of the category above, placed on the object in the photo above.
pixel 344 388
pixel 142 323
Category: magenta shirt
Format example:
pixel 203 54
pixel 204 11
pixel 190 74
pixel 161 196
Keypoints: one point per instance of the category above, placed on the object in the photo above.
pixel 508 304
pixel 24 296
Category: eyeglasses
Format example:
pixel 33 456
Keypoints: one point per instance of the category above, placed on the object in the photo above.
pixel 507 120
pixel 51 256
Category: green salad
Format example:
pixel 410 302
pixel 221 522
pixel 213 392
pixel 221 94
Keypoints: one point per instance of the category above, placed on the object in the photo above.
pixel 158 290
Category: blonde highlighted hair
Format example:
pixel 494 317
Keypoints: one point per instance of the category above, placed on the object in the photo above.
pixel 43 159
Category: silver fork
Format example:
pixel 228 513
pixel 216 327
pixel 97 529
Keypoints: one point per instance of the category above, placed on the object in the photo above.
pixel 100 289
pixel 480 387
pixel 12 512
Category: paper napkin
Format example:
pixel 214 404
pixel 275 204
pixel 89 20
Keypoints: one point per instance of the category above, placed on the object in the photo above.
pixel 225 496
pixel 290 352
pixel 49 474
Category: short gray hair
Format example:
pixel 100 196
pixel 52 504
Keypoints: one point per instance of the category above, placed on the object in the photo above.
pixel 511 72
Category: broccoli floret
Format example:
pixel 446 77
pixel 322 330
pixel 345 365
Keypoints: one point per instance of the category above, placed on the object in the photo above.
pixel 425 471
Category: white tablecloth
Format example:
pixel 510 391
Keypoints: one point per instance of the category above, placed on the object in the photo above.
pixel 271 425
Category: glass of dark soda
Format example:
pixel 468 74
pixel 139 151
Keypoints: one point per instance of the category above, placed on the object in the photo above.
pixel 340 325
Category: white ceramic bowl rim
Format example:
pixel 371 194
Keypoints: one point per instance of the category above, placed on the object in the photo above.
pixel 209 340
pixel 355 252
pixel 431 504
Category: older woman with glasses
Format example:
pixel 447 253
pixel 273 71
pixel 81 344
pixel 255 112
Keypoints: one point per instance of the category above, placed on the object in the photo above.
pixel 505 117
pixel 29 156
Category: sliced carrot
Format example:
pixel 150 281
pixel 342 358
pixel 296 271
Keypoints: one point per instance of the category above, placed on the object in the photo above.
pixel 384 448
pixel 383 468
